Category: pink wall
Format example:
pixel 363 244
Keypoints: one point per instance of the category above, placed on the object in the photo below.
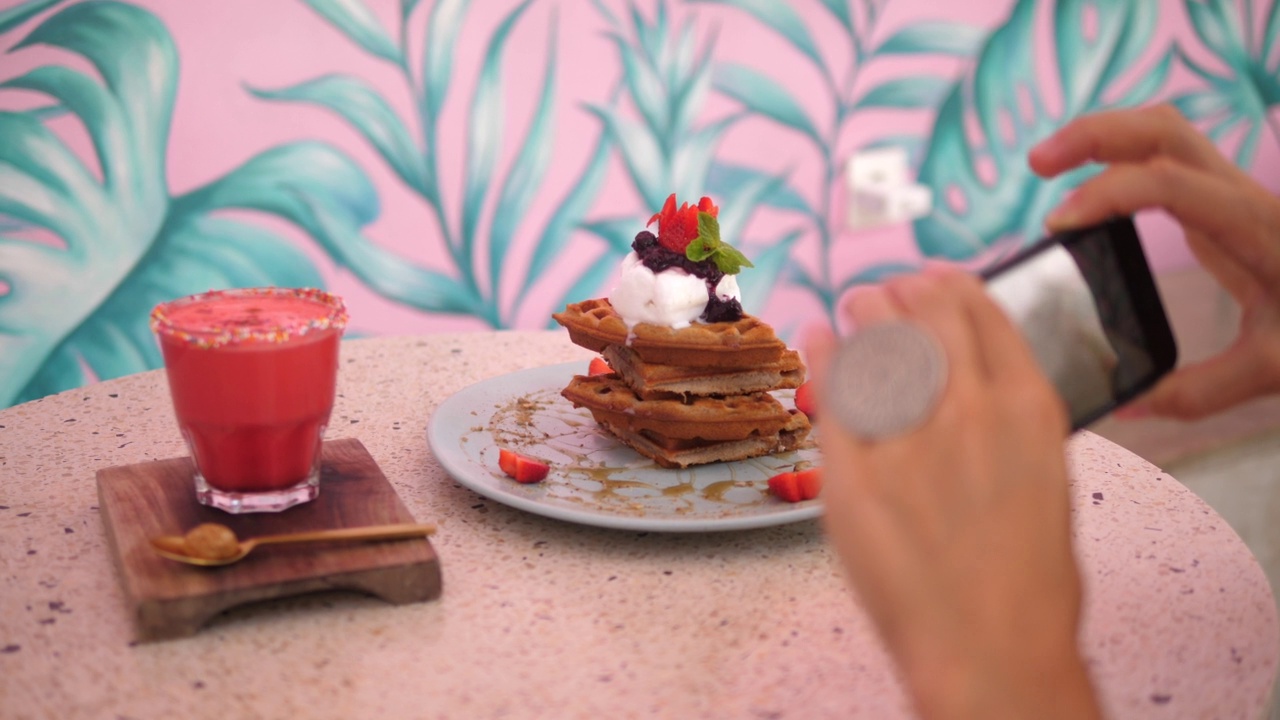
pixel 228 46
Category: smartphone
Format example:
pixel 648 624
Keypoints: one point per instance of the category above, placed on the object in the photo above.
pixel 1086 302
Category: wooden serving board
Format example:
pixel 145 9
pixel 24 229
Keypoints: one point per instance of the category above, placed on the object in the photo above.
pixel 169 599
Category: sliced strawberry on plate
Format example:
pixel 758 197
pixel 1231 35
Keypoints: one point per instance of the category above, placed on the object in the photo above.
pixel 507 461
pixel 809 482
pixel 798 485
pixel 522 468
pixel 599 367
pixel 805 401
pixel 784 485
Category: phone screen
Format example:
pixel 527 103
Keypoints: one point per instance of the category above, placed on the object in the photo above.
pixel 1088 306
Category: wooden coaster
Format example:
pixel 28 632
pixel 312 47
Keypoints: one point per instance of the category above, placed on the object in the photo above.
pixel 169 599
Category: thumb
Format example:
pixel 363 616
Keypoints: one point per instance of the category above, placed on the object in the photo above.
pixel 819 346
pixel 1198 390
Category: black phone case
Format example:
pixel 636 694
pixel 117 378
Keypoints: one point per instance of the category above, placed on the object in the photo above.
pixel 1136 275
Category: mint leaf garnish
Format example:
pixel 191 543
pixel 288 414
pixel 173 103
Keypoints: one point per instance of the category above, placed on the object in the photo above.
pixel 698 250
pixel 709 229
pixel 709 245
pixel 730 260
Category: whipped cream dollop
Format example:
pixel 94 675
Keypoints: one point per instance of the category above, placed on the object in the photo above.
pixel 672 297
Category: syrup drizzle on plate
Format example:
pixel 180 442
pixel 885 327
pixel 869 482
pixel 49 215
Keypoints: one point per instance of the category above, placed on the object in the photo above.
pixel 594 478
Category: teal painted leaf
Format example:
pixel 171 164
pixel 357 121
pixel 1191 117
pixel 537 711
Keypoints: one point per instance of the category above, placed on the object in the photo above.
pixel 660 31
pixel 913 145
pixel 692 161
pixel 1088 65
pixel 875 274
pixel 646 87
pixel 761 94
pixel 830 296
pixel 591 282
pixel 1245 95
pixel 933 37
pixel 975 209
pixel 618 233
pixel 201 254
pixel 280 180
pixel 567 216
pixel 443 28
pixel 736 208
pixel 1145 88
pixel 783 20
pixel 727 180
pixel 605 12
pixel 526 174
pixel 757 283
pixel 322 191
pixel 354 19
pixel 9 225
pixel 872 9
pixel 406 9
pixel 1218 27
pixel 1202 104
pixel 23 12
pixel 842 12
pixel 126 245
pixel 105 230
pixel 679 57
pixel 42 178
pixel 484 136
pixel 1272 32
pixel 368 112
pixel 47 112
pixel 646 35
pixel 385 272
pixel 920 91
pixel 640 152
pixel 692 82
pixel 101 115
pixel 120 41
pixel 799 276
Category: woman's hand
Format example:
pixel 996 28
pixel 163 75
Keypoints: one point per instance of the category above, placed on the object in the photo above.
pixel 1156 159
pixel 957 535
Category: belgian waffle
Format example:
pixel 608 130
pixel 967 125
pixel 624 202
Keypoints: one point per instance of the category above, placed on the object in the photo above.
pixel 681 454
pixel 742 344
pixel 738 417
pixel 651 381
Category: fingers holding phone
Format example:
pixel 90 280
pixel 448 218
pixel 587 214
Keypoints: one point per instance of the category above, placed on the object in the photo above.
pixel 949 529
pixel 1157 160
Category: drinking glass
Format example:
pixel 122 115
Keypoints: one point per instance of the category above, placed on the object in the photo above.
pixel 252 373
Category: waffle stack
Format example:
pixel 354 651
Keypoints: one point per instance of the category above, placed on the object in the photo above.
pixel 687 396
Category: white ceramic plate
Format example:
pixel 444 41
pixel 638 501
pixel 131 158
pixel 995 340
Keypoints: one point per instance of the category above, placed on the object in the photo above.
pixel 594 479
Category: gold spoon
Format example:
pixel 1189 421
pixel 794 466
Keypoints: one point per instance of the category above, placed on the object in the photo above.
pixel 212 544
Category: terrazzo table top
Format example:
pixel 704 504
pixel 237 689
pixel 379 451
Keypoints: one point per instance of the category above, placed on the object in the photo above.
pixel 542 618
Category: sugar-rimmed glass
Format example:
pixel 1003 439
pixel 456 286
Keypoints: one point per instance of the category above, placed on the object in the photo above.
pixel 252 373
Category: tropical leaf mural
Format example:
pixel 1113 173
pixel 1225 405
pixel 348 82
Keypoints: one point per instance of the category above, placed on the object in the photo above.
pixel 984 192
pixel 665 148
pixel 498 204
pixel 665 79
pixel 764 96
pixel 1242 97
pixel 77 306
pixel 91 239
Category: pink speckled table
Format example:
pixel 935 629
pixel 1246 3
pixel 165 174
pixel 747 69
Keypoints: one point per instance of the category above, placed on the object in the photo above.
pixel 542 618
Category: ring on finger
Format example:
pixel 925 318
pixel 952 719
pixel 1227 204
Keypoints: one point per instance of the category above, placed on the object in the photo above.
pixel 886 380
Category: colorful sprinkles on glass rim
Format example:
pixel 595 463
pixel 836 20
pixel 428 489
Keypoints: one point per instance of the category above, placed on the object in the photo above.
pixel 240 326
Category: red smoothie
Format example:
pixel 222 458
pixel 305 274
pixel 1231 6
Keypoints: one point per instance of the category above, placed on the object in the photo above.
pixel 252 375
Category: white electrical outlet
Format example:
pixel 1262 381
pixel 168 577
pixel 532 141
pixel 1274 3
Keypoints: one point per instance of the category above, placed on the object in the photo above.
pixel 880 189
